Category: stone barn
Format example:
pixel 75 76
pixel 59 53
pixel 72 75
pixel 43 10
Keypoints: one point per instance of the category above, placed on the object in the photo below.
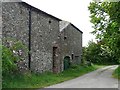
pixel 71 43
pixel 53 44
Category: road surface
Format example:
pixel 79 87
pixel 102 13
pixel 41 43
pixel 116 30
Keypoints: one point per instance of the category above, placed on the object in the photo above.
pixel 101 78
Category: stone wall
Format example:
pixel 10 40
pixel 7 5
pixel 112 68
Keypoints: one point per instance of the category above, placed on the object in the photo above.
pixel 45 32
pixel 71 44
pixel 40 32
pixel 15 21
pixel 20 19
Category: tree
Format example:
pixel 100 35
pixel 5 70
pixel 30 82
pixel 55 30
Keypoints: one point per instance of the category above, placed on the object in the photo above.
pixel 97 53
pixel 106 19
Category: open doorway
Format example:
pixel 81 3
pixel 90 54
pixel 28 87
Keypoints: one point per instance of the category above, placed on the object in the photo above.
pixel 55 57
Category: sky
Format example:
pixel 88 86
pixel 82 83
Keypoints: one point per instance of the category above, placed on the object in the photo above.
pixel 74 11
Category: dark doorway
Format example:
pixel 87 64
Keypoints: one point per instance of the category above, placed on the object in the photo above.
pixel 55 57
pixel 66 62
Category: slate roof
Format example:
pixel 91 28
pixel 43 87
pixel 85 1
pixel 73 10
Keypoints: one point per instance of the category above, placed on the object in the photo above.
pixel 76 27
pixel 63 25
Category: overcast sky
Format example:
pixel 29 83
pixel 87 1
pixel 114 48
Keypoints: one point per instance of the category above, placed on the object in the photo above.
pixel 74 11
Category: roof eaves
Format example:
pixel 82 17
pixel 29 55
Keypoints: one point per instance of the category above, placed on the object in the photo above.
pixel 76 27
pixel 36 9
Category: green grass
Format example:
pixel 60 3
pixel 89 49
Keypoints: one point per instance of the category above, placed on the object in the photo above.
pixel 31 80
pixel 116 73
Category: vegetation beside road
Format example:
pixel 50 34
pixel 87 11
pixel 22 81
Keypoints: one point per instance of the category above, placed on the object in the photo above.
pixel 12 78
pixel 105 17
pixel 31 80
pixel 116 73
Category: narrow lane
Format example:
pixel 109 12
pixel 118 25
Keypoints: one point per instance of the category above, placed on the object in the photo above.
pixel 101 78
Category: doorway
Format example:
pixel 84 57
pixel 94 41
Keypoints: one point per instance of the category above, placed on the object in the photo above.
pixel 66 62
pixel 55 57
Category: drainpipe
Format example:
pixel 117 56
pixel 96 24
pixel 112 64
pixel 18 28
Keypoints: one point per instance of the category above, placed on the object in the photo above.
pixel 29 47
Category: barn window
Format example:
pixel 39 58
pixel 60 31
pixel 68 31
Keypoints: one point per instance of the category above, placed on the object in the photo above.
pixel 49 21
pixel 72 56
pixel 65 37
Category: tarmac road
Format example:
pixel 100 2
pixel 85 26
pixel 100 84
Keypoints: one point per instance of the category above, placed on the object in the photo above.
pixel 101 78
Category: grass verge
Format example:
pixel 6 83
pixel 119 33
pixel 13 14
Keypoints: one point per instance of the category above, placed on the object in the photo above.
pixel 116 73
pixel 31 80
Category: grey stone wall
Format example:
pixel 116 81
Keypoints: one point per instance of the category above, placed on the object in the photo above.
pixel 45 32
pixel 15 19
pixel 26 23
pixel 71 43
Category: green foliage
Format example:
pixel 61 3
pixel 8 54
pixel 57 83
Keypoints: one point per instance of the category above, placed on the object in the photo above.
pixel 12 52
pixel 31 80
pixel 97 53
pixel 116 73
pixel 106 19
pixel 8 60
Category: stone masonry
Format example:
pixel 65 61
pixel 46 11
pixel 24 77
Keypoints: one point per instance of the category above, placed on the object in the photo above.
pixel 48 38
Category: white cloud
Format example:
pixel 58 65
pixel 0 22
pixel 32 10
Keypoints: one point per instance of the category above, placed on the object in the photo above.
pixel 74 11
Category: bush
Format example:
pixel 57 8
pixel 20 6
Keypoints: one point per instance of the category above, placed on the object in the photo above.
pixel 74 66
pixel 13 51
pixel 8 60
